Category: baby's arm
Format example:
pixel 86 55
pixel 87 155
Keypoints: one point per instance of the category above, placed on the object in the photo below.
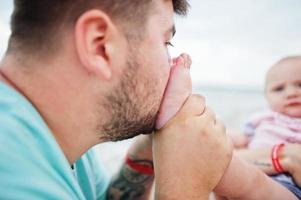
pixel 238 139
pixel 261 158
pixel 242 139
pixel 290 160
pixel 246 182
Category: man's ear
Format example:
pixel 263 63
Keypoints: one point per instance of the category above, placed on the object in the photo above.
pixel 94 35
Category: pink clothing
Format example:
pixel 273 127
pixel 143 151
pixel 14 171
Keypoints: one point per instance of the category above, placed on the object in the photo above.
pixel 269 128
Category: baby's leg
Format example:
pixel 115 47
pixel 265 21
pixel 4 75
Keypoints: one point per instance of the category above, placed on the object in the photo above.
pixel 243 181
pixel 178 89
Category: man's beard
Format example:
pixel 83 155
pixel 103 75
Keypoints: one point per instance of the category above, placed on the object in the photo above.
pixel 131 112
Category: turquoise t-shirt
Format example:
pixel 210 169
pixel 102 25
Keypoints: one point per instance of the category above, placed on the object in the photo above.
pixel 32 164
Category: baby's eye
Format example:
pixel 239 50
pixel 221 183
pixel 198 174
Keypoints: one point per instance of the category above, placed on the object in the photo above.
pixel 278 89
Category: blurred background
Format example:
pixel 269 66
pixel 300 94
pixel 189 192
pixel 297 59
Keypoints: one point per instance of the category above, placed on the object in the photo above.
pixel 232 44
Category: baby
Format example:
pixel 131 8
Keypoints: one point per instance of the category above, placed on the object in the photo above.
pixel 281 124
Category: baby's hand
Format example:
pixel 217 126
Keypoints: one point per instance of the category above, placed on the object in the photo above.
pixel 239 140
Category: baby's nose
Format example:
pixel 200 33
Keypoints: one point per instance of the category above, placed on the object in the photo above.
pixel 292 92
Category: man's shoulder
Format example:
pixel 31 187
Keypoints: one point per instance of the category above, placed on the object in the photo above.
pixel 29 154
pixel 14 105
pixel 22 130
pixel 18 118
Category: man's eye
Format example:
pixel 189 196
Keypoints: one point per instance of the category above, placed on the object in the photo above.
pixel 169 44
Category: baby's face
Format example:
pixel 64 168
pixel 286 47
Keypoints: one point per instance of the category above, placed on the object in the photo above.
pixel 283 88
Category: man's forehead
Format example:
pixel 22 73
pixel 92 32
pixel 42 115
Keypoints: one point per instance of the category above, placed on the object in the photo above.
pixel 164 15
pixel 170 31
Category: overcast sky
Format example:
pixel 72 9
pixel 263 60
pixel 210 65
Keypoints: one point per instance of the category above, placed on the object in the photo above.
pixel 232 42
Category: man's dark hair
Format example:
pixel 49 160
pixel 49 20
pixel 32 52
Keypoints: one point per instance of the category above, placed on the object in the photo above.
pixel 35 24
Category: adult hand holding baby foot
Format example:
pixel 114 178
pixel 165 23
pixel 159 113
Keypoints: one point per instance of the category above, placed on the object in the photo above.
pixel 191 151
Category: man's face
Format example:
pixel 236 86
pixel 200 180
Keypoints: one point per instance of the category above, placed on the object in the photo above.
pixel 135 102
pixel 283 88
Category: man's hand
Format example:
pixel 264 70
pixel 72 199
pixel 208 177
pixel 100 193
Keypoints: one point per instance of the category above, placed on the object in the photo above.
pixel 191 153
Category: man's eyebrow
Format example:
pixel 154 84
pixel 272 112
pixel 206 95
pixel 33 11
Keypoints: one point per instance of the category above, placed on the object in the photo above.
pixel 172 30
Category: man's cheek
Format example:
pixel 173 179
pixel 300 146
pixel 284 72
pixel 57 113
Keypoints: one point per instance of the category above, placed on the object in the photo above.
pixel 164 70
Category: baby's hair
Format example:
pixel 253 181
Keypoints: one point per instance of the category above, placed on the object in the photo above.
pixel 283 60
pixel 288 59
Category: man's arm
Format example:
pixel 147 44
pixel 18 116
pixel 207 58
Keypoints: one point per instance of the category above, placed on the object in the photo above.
pixel 130 183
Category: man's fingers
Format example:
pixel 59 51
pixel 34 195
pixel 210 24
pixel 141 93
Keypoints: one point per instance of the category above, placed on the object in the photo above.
pixel 194 105
pixel 209 123
pixel 208 115
pixel 219 125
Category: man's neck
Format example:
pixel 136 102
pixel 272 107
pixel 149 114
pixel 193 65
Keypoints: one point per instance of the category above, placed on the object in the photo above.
pixel 56 103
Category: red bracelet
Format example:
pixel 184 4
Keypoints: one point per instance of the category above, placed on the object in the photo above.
pixel 139 167
pixel 275 158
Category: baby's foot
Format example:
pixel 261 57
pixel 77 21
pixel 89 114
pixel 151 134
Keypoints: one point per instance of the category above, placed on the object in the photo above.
pixel 179 87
